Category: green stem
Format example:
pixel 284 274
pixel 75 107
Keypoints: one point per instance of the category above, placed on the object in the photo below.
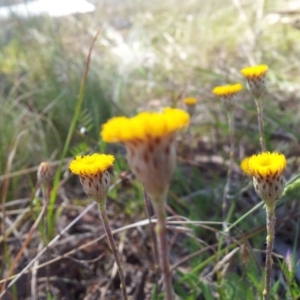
pixel 102 210
pixel 153 237
pixel 249 212
pixel 226 195
pixel 270 211
pixel 259 108
pixel 230 169
pixel 161 231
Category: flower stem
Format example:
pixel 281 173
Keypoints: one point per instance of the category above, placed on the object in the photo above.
pixel 161 231
pixel 270 211
pixel 230 169
pixel 46 190
pixel 154 241
pixel 102 210
pixel 260 123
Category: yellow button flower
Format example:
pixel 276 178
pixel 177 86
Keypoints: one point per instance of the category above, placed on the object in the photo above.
pixel 267 170
pixel 190 101
pixel 255 77
pixel 227 91
pixel 94 177
pixel 258 71
pixel 150 142
pixel 245 167
pixel 190 104
pixel 144 126
pixel 91 164
pixel 267 164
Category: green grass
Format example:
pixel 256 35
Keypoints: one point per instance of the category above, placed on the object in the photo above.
pixel 162 52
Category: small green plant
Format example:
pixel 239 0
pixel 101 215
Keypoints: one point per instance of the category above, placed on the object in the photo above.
pixel 95 179
pixel 151 154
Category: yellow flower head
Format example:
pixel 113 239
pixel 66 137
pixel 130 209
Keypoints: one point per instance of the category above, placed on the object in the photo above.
pixel 190 101
pixel 93 174
pixel 90 165
pixel 256 79
pixel 267 170
pixel 150 143
pixel 245 167
pixel 227 91
pixel 144 126
pixel 258 71
pixel 267 164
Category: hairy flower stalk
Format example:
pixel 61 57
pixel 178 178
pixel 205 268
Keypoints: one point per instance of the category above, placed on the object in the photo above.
pixel 227 93
pixel 45 177
pixel 190 105
pixel 150 142
pixel 268 171
pixel 95 180
pixel 154 241
pixel 255 77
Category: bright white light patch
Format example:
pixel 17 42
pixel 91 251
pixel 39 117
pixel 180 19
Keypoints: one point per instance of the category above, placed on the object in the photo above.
pixel 53 8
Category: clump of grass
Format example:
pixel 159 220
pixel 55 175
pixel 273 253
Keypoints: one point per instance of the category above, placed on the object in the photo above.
pixel 41 74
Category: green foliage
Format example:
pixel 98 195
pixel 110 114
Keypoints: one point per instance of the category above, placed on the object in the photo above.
pixel 40 84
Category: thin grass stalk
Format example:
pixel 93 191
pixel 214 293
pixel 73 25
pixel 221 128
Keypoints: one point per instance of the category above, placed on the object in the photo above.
pixel 50 244
pixel 145 222
pixel 17 258
pixel 270 219
pixel 230 169
pixel 190 141
pixel 153 236
pixel 226 194
pixel 33 283
pixel 5 187
pixel 46 189
pixel 103 214
pixel 161 232
pixel 70 134
pixel 53 241
pixel 260 121
pixel 288 185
